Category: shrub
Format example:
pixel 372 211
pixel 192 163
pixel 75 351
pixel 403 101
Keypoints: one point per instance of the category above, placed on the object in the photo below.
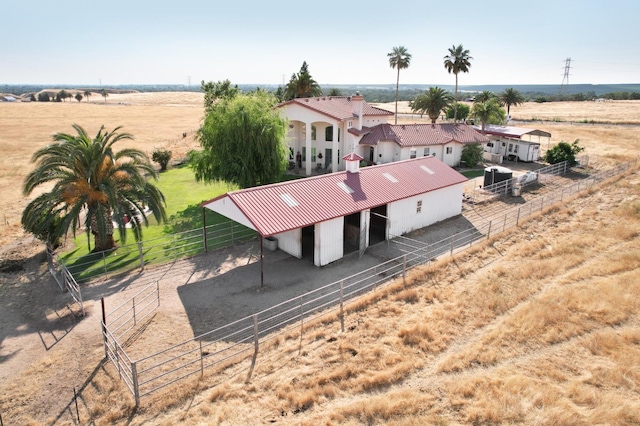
pixel 472 154
pixel 563 152
pixel 162 157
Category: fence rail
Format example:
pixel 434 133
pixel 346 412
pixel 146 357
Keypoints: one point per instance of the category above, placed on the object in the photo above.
pixel 241 339
pixel 65 279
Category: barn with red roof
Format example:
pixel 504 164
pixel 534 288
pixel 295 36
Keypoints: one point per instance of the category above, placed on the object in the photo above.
pixel 325 216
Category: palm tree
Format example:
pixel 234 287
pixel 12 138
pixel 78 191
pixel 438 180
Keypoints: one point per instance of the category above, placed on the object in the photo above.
pixel 87 93
pixel 104 94
pixel 511 97
pixel 484 96
pixel 455 62
pixel 89 177
pixel 488 112
pixel 400 59
pixel 302 85
pixel 432 102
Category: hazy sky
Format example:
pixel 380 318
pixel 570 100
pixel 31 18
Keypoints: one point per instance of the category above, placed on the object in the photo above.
pixel 88 42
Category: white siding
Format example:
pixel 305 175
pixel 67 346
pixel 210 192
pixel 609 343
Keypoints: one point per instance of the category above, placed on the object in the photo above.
pixel 436 206
pixel 228 208
pixel 328 244
pixel 291 242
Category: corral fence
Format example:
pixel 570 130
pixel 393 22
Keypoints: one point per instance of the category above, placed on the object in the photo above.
pixel 241 340
pixel 64 278
pixel 538 176
pixel 161 250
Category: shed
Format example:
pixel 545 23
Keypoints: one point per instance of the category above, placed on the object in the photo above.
pixel 323 217
pixel 513 143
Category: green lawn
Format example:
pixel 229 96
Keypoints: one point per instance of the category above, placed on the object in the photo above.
pixel 470 174
pixel 162 242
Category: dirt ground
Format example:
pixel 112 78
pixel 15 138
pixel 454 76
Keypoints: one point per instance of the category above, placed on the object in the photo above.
pixel 46 348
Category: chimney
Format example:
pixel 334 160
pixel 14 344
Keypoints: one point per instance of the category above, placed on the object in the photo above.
pixel 352 162
pixel 357 100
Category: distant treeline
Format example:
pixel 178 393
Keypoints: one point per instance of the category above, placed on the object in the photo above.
pixel 381 93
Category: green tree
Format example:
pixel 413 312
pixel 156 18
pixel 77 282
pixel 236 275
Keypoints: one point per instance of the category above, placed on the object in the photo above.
pixel 462 112
pixel 334 92
pixel 511 97
pixel 484 96
pixel 243 142
pixel 88 176
pixel 162 157
pixel 489 112
pixel 43 97
pixel 472 154
pixel 457 61
pixel 432 102
pixel 563 152
pixel 78 96
pixel 104 94
pixel 213 92
pixel 87 94
pixel 62 95
pixel 302 85
pixel 399 58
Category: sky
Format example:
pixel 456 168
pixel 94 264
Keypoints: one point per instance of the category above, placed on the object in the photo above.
pixel 97 42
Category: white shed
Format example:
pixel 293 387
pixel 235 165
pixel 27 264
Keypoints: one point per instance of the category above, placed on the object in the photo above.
pixel 326 216
pixel 513 143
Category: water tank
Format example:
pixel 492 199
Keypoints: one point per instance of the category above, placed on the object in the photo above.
pixel 495 174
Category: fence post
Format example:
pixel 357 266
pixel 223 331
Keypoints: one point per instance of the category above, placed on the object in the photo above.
pixel 518 217
pixel 404 269
pixel 201 360
pixel 104 329
pixel 453 240
pixel 204 229
pixel 301 328
pixel 175 254
pixel 104 262
pixel 489 231
pixel 255 352
pixel 141 255
pixel 342 305
pixel 133 305
pixel 541 202
pixel 504 224
pixel 136 388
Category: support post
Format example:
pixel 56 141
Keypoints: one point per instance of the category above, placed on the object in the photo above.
pixel 141 255
pixel 261 261
pixel 136 387
pixel 204 229
pixel 104 329
pixel 255 351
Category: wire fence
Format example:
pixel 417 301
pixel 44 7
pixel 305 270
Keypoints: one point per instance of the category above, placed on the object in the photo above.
pixel 241 340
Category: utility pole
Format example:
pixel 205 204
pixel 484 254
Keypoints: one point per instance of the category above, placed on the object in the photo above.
pixel 565 79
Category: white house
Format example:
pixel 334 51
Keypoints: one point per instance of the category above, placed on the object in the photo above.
pixel 513 143
pixel 325 216
pixel 322 128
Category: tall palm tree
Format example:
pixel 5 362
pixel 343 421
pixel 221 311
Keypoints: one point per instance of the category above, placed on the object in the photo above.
pixel 399 59
pixel 87 94
pixel 511 97
pixel 432 102
pixel 89 177
pixel 104 94
pixel 457 61
pixel 302 85
pixel 484 96
pixel 488 112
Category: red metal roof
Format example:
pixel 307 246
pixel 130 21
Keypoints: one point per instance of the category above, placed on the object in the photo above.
pixel 338 107
pixel 284 206
pixel 512 131
pixel 423 134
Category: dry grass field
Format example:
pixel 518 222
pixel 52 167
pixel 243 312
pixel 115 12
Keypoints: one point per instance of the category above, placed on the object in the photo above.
pixel 537 326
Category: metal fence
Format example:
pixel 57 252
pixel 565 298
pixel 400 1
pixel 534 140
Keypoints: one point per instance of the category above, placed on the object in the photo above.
pixel 241 339
pixel 161 250
pixel 65 279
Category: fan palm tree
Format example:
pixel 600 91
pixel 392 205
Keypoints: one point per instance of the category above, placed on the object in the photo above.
pixel 432 102
pixel 511 97
pixel 87 94
pixel 104 94
pixel 399 59
pixel 488 112
pixel 89 177
pixel 455 62
pixel 302 85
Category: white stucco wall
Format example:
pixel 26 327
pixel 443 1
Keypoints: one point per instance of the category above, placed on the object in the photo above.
pixel 436 206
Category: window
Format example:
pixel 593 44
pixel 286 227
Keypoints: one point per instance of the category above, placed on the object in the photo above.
pixel 449 149
pixel 328 134
pixel 350 124
pixel 490 144
pixel 313 154
pixel 419 207
pixel 504 144
pixel 510 147
pixel 412 154
pixel 515 149
pixel 426 152
pixel 313 133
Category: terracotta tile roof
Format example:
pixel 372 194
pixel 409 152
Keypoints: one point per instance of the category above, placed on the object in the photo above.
pixel 276 208
pixel 338 107
pixel 423 134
